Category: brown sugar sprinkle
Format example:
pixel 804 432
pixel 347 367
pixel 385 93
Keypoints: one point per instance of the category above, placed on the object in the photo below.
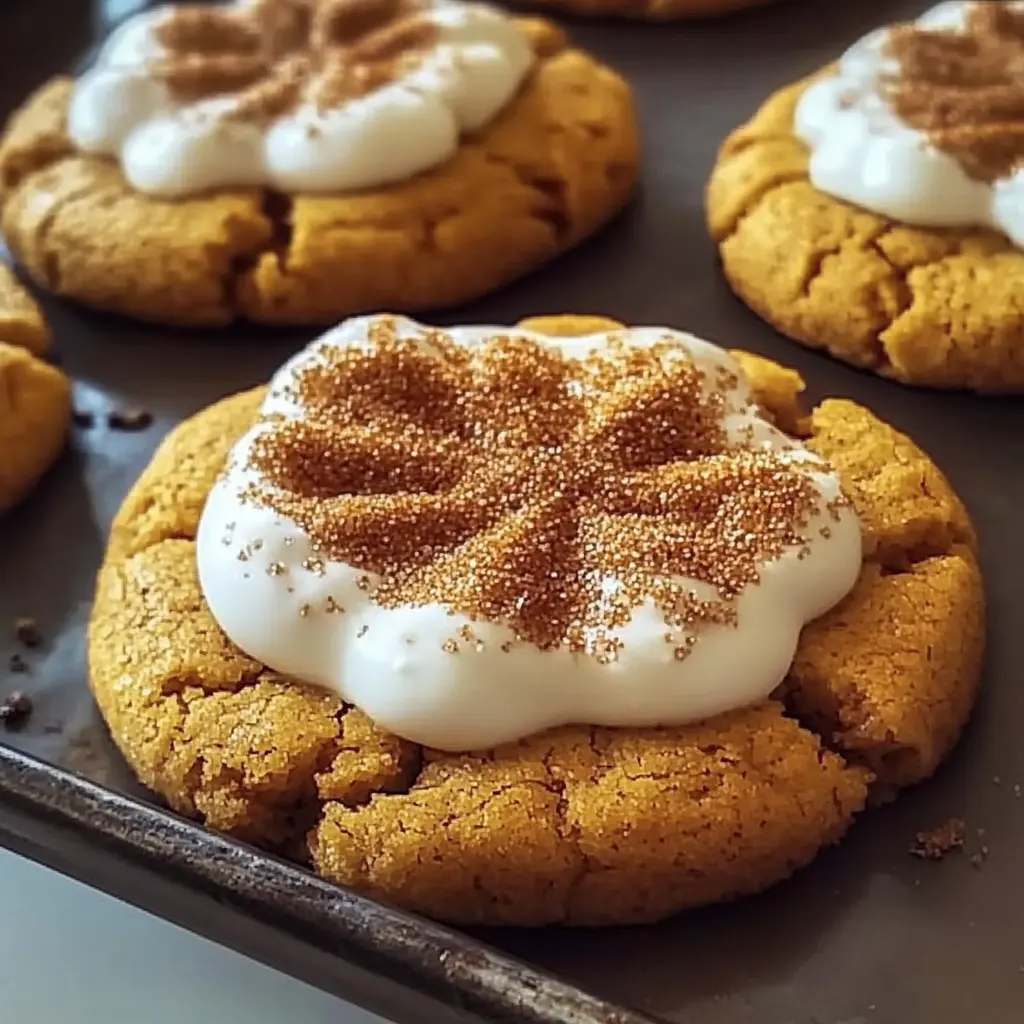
pixel 273 54
pixel 965 89
pixel 195 29
pixel 346 23
pixel 315 566
pixel 510 484
pixel 192 76
pixel 391 41
pixel 836 506
pixel 245 553
pixel 277 94
pixel 605 649
pixel 935 843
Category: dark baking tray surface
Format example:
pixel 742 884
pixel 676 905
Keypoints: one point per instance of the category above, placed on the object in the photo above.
pixel 867 935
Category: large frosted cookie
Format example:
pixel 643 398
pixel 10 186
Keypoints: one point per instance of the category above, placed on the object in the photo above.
pixel 469 541
pixel 242 161
pixel 877 210
pixel 35 397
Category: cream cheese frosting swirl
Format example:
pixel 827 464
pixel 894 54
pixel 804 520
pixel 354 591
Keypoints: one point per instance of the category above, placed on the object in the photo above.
pixel 479 533
pixel 296 95
pixel 924 122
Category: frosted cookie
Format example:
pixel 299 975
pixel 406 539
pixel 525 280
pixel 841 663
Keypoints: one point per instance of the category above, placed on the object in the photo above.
pixel 239 161
pixel 651 10
pixel 877 209
pixel 35 397
pixel 562 623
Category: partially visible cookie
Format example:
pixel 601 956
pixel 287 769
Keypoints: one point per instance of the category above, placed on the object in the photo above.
pixel 576 825
pixel 35 397
pixel 556 164
pixel 930 306
pixel 21 320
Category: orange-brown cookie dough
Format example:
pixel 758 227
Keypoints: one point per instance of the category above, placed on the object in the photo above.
pixel 577 825
pixel 936 308
pixel 21 319
pixel 548 172
pixel 650 10
pixel 35 397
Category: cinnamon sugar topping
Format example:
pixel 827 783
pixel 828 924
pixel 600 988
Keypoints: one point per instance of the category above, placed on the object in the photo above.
pixel 272 52
pixel 514 484
pixel 347 21
pixel 198 30
pixel 965 89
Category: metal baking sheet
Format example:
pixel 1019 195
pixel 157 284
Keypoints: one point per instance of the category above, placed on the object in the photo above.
pixel 867 935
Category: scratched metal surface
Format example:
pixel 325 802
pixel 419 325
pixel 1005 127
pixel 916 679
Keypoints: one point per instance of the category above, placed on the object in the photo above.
pixel 865 936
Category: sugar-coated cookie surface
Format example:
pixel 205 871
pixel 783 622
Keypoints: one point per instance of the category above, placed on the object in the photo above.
pixel 35 397
pixel 576 825
pixel 522 531
pixel 932 299
pixel 186 98
pixel 557 163
pixel 921 121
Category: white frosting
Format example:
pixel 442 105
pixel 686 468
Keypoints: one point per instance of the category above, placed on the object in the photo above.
pixel 168 148
pixel 391 662
pixel 863 153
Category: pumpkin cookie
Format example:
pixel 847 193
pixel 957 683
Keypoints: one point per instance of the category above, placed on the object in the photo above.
pixel 873 210
pixel 238 162
pixel 650 10
pixel 35 397
pixel 468 540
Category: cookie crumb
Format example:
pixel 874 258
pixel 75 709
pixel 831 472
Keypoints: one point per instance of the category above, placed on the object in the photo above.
pixel 935 843
pixel 129 418
pixel 978 858
pixel 84 419
pixel 15 710
pixel 16 663
pixel 27 633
